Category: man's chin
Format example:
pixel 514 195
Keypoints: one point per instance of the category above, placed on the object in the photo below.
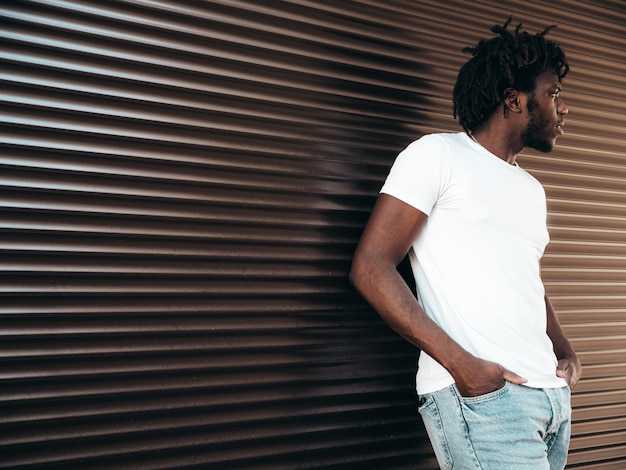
pixel 541 146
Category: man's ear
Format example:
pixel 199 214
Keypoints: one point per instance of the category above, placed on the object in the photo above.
pixel 514 100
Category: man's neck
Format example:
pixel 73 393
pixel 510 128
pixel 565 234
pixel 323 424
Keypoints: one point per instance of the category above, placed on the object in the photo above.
pixel 498 141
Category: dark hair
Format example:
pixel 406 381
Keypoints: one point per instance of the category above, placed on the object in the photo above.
pixel 510 60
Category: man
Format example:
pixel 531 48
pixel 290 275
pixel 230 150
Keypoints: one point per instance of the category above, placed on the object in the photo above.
pixel 495 369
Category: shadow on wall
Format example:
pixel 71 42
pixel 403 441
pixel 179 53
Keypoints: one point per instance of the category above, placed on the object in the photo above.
pixel 373 106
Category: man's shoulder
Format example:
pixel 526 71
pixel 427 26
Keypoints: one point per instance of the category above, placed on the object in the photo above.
pixel 435 145
pixel 442 136
pixel 439 139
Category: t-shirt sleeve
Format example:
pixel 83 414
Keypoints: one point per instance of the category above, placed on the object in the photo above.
pixel 418 174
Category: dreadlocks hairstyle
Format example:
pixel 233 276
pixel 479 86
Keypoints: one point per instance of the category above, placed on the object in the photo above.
pixel 509 60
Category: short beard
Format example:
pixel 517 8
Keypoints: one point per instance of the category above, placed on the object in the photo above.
pixel 533 134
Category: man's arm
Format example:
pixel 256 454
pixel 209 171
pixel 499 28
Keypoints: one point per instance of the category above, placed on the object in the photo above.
pixel 388 235
pixel 569 366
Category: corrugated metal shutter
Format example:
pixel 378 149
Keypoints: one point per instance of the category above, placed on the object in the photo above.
pixel 183 185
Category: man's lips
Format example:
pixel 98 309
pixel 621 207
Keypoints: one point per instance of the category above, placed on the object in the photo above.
pixel 559 127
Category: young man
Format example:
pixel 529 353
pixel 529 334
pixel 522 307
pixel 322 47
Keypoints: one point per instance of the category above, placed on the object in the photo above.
pixel 495 369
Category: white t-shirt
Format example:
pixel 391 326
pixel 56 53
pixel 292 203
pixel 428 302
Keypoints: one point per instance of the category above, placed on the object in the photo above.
pixel 477 260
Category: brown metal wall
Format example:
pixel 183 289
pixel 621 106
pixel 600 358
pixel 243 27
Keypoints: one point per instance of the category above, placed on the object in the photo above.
pixel 183 184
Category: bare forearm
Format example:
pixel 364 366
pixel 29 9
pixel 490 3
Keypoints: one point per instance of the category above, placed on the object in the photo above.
pixel 385 290
pixel 569 366
pixel 562 346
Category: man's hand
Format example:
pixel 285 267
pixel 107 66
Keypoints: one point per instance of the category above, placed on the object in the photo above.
pixel 480 377
pixel 570 370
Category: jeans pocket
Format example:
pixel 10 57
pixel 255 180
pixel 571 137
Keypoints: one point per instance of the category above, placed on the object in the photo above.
pixel 425 401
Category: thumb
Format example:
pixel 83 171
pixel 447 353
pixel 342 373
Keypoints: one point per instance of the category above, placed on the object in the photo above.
pixel 512 377
pixel 561 368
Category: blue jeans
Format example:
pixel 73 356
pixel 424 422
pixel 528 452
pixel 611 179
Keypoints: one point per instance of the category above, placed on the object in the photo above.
pixel 516 427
